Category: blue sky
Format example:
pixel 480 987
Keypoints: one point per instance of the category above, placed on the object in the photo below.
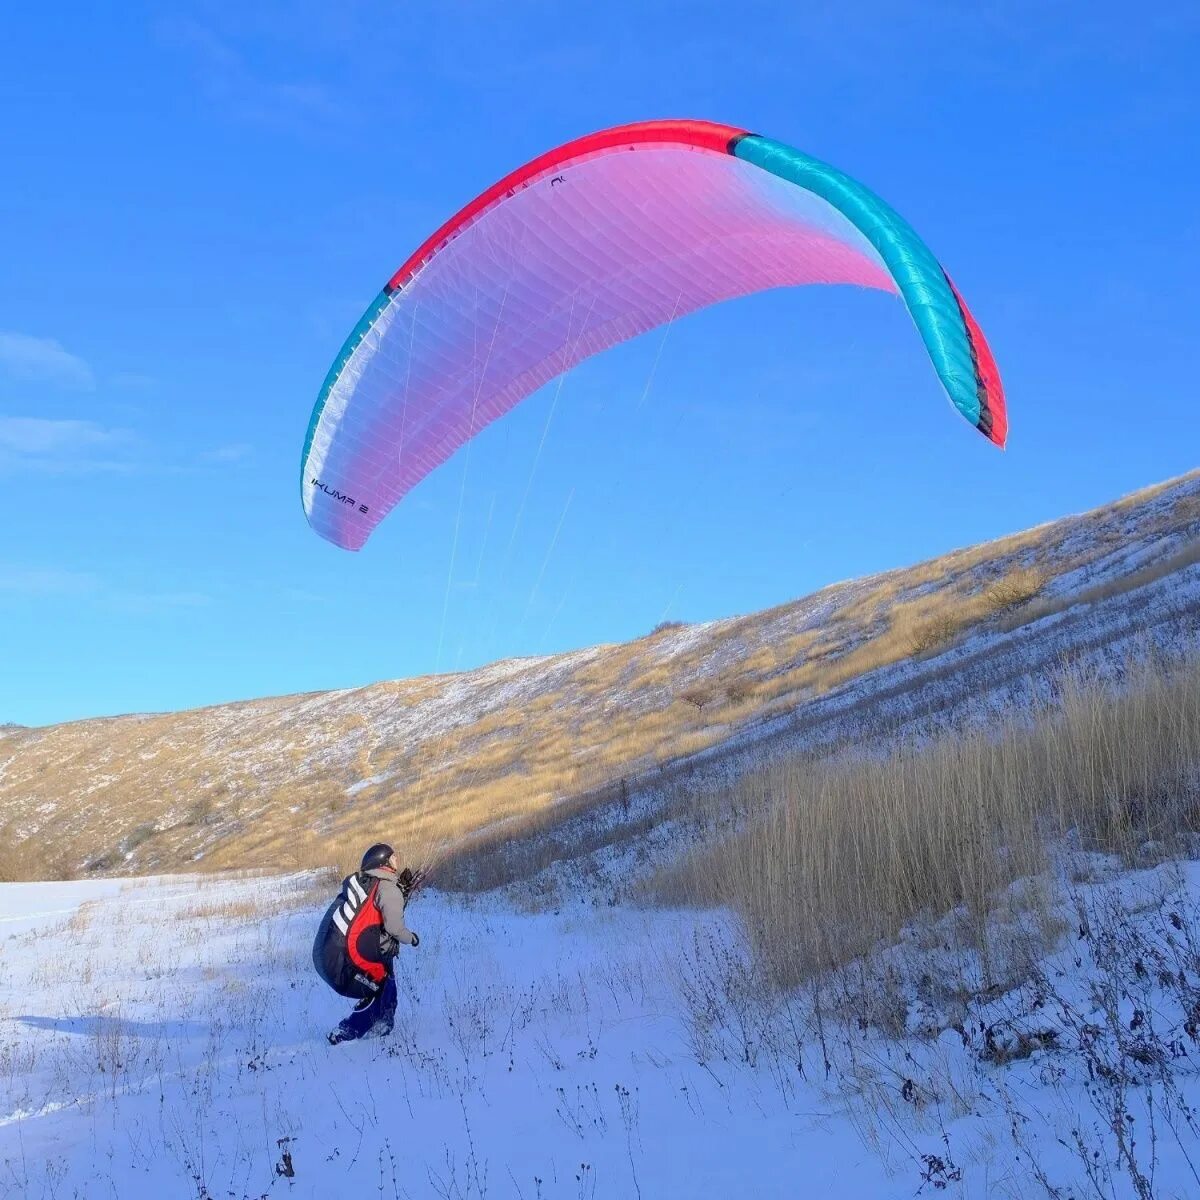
pixel 202 198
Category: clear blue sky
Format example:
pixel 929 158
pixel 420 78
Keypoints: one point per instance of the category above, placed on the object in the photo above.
pixel 200 199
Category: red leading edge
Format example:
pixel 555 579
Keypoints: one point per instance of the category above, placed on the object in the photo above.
pixel 703 135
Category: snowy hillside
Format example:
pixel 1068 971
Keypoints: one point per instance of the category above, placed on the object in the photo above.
pixel 586 1054
pixel 439 759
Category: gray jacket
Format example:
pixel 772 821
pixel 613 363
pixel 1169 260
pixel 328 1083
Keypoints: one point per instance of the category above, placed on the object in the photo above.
pixel 391 905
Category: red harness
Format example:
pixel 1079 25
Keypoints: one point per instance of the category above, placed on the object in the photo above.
pixel 368 916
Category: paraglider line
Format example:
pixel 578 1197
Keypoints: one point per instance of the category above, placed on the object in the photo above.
pixel 670 604
pixel 557 611
pixel 487 530
pixel 568 350
pixel 654 365
pixel 462 492
pixel 546 561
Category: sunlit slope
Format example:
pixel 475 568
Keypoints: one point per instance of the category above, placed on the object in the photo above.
pixel 301 779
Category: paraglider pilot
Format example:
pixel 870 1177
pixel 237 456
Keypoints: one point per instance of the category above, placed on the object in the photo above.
pixel 356 943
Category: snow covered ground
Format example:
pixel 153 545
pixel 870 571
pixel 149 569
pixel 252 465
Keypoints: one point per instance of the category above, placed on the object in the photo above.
pixel 165 1037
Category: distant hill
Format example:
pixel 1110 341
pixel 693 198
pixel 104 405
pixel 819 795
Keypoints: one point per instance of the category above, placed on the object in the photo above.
pixel 296 780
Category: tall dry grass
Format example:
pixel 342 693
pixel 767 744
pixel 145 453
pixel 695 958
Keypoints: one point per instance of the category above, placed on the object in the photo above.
pixel 850 853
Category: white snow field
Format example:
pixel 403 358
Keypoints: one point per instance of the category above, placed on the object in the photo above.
pixel 165 1037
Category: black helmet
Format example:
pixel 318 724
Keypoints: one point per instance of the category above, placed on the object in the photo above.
pixel 377 856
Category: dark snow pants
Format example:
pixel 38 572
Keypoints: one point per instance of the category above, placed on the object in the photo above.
pixel 373 1015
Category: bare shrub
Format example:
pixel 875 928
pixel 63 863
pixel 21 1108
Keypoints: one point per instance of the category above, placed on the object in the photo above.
pixel 667 626
pixel 933 633
pixel 1017 587
pixel 697 697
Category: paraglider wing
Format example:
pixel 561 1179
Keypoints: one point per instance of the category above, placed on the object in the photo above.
pixel 591 244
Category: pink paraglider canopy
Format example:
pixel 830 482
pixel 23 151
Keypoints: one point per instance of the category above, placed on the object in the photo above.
pixel 584 248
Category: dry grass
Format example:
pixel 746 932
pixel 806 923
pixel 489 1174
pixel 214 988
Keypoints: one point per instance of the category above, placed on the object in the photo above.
pixel 13 865
pixel 1118 585
pixel 931 623
pixel 851 853
pixel 273 897
pixel 25 862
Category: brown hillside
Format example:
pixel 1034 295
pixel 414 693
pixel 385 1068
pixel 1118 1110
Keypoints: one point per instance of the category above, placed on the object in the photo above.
pixel 300 779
